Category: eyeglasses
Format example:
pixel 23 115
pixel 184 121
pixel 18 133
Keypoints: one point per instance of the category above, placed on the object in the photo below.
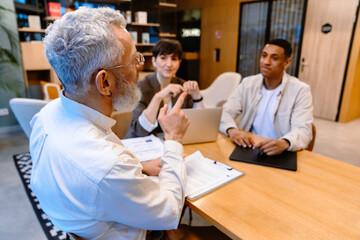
pixel 139 60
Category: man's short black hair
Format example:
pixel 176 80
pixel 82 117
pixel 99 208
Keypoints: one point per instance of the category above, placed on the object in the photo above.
pixel 167 47
pixel 283 44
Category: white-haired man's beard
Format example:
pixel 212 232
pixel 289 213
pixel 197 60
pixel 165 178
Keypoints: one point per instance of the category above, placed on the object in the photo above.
pixel 127 96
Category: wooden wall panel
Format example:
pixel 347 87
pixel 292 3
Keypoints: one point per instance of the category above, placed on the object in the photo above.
pixel 350 106
pixel 326 54
pixel 33 56
pixel 34 59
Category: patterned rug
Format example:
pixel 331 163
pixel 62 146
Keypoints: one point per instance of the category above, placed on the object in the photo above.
pixel 23 165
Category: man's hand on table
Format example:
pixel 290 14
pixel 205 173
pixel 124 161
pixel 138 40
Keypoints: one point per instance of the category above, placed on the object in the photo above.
pixel 269 146
pixel 240 137
pixel 272 146
pixel 152 167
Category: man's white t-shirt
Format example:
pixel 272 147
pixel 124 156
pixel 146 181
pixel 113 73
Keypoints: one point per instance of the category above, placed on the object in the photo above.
pixel 264 121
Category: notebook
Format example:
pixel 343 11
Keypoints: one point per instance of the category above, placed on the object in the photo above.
pixel 286 160
pixel 204 124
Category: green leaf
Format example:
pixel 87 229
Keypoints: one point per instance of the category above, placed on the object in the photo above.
pixel 10 56
pixel 11 79
pixel 6 9
pixel 13 52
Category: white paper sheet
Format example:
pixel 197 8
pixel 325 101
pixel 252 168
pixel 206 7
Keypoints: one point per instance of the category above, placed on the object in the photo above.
pixel 145 148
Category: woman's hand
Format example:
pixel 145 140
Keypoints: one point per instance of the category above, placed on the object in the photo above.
pixel 192 88
pixel 170 90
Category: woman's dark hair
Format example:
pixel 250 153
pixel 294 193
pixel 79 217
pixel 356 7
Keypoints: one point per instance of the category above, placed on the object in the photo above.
pixel 167 47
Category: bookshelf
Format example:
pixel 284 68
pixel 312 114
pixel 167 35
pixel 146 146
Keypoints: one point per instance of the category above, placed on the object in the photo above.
pixel 160 23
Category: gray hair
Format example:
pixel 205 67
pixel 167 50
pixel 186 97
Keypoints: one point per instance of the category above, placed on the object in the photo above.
pixel 81 42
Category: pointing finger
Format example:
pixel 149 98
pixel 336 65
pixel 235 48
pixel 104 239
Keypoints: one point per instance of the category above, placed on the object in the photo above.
pixel 162 111
pixel 180 101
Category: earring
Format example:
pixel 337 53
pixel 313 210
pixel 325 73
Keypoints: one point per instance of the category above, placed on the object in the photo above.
pixel 110 94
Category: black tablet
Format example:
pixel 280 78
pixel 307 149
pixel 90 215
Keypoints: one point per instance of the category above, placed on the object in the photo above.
pixel 286 160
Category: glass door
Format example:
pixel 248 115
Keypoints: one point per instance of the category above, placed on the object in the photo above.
pixel 261 21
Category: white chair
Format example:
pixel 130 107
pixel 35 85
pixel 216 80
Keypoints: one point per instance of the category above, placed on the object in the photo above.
pixel 123 120
pixel 24 109
pixel 221 89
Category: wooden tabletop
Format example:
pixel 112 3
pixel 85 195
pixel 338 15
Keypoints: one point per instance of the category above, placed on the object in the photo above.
pixel 321 200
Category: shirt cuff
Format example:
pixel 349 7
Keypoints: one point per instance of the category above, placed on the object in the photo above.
pixel 144 122
pixel 286 139
pixel 225 126
pixel 173 152
pixel 174 147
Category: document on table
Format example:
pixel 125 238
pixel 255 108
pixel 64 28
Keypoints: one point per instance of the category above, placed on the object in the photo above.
pixel 145 148
pixel 203 174
pixel 206 175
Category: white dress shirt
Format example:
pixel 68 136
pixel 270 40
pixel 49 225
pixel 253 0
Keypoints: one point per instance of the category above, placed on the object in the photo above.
pixel 90 185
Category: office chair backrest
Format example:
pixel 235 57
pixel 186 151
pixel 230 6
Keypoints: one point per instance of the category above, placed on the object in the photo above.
pixel 221 89
pixel 123 120
pixel 312 142
pixel 24 109
pixel 51 90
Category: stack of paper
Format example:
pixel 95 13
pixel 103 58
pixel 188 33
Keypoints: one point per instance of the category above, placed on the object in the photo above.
pixel 206 175
pixel 203 174
pixel 145 148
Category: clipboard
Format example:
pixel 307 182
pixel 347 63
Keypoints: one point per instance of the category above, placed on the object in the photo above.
pixel 204 175
pixel 286 160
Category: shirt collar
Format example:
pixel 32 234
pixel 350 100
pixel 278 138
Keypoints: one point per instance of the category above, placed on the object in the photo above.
pixel 86 112
pixel 282 84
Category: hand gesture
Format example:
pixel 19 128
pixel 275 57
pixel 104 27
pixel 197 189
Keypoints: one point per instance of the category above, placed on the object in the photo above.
pixel 272 146
pixel 192 88
pixel 175 124
pixel 170 90
pixel 240 137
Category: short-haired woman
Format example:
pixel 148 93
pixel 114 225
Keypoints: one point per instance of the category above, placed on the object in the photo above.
pixel 162 87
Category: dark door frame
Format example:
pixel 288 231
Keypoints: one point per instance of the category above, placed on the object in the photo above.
pixel 268 30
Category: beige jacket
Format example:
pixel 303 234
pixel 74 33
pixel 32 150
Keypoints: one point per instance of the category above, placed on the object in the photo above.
pixel 293 111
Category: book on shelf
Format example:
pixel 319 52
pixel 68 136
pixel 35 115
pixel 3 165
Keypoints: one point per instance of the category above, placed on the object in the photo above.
pixel 34 22
pixel 141 17
pixel 204 175
pixel 128 17
pixel 145 37
pixel 54 9
pixel 134 36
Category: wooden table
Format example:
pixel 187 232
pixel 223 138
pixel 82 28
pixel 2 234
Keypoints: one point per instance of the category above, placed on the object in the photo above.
pixel 321 200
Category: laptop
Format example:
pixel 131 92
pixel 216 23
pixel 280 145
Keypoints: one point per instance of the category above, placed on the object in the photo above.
pixel 204 124
pixel 286 160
